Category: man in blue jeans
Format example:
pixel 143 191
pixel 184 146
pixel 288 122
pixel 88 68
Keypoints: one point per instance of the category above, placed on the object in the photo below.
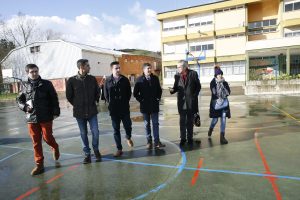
pixel 147 91
pixel 117 92
pixel 83 92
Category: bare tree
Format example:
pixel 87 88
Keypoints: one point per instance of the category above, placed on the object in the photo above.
pixel 21 31
pixel 49 34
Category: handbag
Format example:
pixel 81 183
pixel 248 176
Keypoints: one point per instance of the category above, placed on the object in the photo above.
pixel 197 121
pixel 221 103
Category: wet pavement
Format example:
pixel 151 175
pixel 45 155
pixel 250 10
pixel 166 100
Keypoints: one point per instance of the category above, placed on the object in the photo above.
pixel 261 160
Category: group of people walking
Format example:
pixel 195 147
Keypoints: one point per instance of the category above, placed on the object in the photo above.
pixel 39 101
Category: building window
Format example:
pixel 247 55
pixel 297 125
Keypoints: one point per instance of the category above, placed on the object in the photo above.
pixel 292 6
pixel 260 27
pixel 170 71
pixel 35 49
pixel 125 60
pixel 292 34
pixel 230 9
pixel 202 47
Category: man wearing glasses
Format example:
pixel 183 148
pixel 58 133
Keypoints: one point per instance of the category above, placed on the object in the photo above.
pixel 82 92
pixel 38 99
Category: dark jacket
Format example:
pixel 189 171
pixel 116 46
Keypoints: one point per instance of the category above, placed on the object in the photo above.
pixel 187 93
pixel 148 93
pixel 83 93
pixel 217 113
pixel 43 98
pixel 118 95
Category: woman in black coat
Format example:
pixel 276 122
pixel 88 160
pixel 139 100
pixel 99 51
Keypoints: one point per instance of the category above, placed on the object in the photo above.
pixel 220 90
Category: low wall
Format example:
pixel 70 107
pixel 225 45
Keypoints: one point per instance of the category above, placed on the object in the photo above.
pixel 273 87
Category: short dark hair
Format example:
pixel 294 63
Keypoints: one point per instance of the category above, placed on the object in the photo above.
pixel 146 65
pixel 81 62
pixel 30 66
pixel 114 63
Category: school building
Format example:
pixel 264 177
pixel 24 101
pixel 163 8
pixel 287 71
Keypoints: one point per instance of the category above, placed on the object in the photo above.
pixel 248 38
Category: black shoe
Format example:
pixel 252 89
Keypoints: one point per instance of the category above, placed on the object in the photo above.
pixel 149 145
pixel 87 159
pixel 210 132
pixel 223 139
pixel 190 141
pixel 98 156
pixel 182 142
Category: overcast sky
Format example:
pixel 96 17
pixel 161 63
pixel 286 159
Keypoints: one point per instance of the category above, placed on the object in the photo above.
pixel 111 24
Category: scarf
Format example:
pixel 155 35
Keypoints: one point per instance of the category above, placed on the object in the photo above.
pixel 222 92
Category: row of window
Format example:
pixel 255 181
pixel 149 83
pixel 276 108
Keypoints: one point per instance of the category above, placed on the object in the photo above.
pixel 261 31
pixel 229 9
pixel 230 36
pixel 174 28
pixel 200 23
pixel 292 34
pixel 292 6
pixel 202 47
pixel 261 24
pixel 207 69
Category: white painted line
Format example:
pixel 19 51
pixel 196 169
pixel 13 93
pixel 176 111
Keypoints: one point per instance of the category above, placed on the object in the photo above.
pixel 11 155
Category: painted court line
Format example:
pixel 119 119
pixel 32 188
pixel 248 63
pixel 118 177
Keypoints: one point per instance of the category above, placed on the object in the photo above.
pixel 33 190
pixel 11 155
pixel 185 168
pixel 286 113
pixel 272 180
pixel 196 174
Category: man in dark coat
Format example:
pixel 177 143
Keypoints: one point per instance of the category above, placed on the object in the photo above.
pixel 38 99
pixel 83 92
pixel 187 86
pixel 147 91
pixel 220 90
pixel 117 92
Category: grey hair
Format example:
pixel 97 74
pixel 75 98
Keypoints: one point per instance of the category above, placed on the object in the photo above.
pixel 183 63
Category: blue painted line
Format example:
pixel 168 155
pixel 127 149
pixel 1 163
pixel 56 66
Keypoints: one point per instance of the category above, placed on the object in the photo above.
pixel 176 167
pixel 163 185
pixel 205 169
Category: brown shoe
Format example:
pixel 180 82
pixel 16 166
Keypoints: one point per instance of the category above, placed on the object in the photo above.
pixel 119 153
pixel 55 154
pixel 159 145
pixel 130 143
pixel 149 145
pixel 39 169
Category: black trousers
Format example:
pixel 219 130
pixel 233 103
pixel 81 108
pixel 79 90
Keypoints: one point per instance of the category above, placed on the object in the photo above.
pixel 186 125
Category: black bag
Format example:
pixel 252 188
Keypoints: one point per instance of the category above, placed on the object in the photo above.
pixel 197 121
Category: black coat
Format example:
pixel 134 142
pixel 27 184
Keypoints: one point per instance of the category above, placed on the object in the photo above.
pixel 83 93
pixel 217 113
pixel 118 95
pixel 187 93
pixel 44 101
pixel 148 93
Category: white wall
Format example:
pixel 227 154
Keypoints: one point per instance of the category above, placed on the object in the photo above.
pixel 100 63
pixel 230 46
pixel 56 59
pixel 230 19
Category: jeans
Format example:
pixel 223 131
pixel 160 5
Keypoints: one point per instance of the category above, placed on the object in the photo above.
pixel 82 123
pixel 116 120
pixel 223 122
pixel 155 124
pixel 186 125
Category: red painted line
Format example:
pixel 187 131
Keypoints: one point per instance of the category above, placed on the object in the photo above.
pixel 33 190
pixel 272 180
pixel 28 193
pixel 196 174
pixel 54 178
